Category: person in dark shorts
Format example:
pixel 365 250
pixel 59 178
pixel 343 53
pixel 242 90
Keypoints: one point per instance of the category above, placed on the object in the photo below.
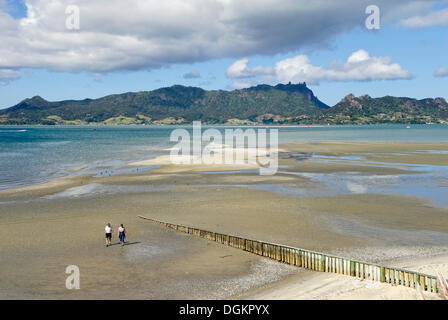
pixel 122 234
pixel 108 230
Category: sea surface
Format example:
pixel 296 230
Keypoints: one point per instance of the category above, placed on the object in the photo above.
pixel 31 155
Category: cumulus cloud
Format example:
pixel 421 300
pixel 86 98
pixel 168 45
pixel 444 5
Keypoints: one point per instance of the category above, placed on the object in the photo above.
pixel 239 69
pixel 7 75
pixel 143 34
pixel 194 74
pixel 441 72
pixel 435 18
pixel 360 66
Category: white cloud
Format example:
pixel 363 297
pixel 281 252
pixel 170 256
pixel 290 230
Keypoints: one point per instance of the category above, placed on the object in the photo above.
pixel 143 34
pixel 8 75
pixel 441 72
pixel 360 66
pixel 194 74
pixel 435 18
pixel 239 69
pixel 238 84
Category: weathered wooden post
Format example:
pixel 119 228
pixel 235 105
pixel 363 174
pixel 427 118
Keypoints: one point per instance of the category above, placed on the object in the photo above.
pixel 314 260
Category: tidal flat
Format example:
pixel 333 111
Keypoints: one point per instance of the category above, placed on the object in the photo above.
pixel 379 202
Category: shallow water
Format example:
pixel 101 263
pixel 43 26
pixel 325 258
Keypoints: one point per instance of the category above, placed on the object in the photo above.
pixel 35 154
pixel 432 184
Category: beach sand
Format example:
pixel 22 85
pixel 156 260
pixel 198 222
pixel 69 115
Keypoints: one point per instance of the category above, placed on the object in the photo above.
pixel 309 285
pixel 60 223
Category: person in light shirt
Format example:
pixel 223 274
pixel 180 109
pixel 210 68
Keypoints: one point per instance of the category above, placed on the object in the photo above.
pixel 108 230
pixel 122 234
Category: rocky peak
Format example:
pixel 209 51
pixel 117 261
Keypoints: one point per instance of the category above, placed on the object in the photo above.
pixel 440 101
pixel 352 101
pixel 35 100
pixel 348 98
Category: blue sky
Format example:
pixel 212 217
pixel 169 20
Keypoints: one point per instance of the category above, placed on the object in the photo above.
pixel 418 50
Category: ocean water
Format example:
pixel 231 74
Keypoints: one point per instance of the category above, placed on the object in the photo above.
pixel 35 154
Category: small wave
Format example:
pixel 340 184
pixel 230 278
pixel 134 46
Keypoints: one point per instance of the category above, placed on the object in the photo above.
pixel 13 154
pixel 21 130
pixel 54 143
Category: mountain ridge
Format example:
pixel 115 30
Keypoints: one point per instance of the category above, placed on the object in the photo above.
pixel 282 104
pixel 388 109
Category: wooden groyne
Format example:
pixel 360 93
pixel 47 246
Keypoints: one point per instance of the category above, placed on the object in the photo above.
pixel 314 260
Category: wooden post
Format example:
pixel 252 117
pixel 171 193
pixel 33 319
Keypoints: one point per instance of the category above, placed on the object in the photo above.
pixel 307 260
pixel 434 285
pixel 302 256
pixel 313 260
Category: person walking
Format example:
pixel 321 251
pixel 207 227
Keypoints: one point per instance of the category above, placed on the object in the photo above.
pixel 108 231
pixel 122 234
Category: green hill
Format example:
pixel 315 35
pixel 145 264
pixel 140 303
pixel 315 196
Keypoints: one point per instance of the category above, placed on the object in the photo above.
pixel 282 104
pixel 176 104
pixel 364 109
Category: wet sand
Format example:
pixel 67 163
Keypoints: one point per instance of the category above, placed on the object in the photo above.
pixel 309 285
pixel 60 223
pixel 155 264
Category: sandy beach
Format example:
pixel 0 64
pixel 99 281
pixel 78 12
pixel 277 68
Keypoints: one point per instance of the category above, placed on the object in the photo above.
pixel 59 223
